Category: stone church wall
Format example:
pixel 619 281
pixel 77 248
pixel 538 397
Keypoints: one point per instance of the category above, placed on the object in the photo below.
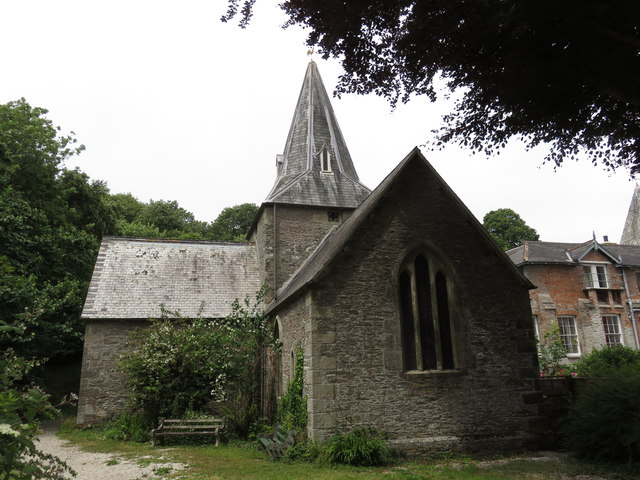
pixel 293 326
pixel 102 385
pixel 355 370
pixel 287 235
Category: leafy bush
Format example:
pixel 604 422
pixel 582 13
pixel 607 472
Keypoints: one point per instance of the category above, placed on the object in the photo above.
pixel 551 352
pixel 127 427
pixel 600 362
pixel 178 364
pixel 604 421
pixel 292 408
pixel 21 408
pixel 361 446
pixel 305 451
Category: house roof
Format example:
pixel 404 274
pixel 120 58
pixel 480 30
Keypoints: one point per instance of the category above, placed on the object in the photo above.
pixel 336 239
pixel 133 277
pixel 314 127
pixel 573 253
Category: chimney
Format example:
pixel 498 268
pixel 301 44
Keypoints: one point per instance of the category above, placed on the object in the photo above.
pixel 605 238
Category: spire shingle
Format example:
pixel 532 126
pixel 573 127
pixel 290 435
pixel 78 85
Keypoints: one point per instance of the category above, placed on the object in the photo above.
pixel 316 167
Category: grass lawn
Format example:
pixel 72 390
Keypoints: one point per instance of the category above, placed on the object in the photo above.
pixel 232 462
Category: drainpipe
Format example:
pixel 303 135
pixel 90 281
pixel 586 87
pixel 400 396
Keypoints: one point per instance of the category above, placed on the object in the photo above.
pixel 631 314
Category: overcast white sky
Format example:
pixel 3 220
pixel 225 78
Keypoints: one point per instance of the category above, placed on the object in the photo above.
pixel 172 104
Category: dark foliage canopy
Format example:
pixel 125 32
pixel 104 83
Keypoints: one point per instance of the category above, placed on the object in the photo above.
pixel 561 72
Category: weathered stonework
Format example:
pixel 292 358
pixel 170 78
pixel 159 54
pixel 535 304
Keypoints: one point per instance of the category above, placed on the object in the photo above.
pixel 352 337
pixel 102 385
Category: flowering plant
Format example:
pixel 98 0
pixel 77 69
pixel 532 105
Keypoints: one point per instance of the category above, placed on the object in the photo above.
pixel 178 364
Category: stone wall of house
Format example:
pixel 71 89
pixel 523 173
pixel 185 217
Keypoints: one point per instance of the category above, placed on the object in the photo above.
pixel 355 369
pixel 102 385
pixel 561 291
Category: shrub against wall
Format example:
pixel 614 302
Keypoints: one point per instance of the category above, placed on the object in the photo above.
pixel 361 446
pixel 602 361
pixel 551 352
pixel 178 364
pixel 604 421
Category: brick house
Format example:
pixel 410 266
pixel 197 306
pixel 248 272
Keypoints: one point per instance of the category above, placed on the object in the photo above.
pixel 396 296
pixel 591 291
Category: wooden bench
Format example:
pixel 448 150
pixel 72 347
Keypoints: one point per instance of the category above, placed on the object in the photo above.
pixel 278 442
pixel 205 426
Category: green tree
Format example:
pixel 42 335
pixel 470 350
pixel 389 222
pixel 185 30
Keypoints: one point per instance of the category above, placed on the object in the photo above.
pixel 507 228
pixel 562 73
pixel 126 207
pixel 32 153
pixel 233 223
pixel 50 220
pixel 168 216
pixel 88 203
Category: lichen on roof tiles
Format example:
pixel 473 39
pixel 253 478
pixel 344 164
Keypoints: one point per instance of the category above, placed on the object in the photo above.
pixel 134 277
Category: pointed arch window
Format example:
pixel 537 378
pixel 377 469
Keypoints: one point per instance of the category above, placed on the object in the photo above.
pixel 325 159
pixel 425 311
pixel 277 360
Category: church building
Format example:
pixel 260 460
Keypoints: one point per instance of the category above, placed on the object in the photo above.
pixel 410 317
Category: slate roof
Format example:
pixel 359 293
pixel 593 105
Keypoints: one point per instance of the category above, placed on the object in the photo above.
pixel 336 239
pixel 572 253
pixel 300 180
pixel 631 231
pixel 133 277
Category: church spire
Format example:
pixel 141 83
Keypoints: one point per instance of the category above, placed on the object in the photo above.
pixel 316 167
pixel 631 232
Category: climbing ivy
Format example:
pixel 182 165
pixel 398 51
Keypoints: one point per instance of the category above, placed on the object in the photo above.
pixel 292 408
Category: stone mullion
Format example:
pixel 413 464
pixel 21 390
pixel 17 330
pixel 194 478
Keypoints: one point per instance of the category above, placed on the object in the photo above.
pixel 435 315
pixel 416 317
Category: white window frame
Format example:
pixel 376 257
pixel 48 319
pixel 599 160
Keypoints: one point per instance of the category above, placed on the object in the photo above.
pixel 612 329
pixel 597 276
pixel 569 334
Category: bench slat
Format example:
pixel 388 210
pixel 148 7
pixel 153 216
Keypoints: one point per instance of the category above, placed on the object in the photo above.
pixel 188 427
pixel 175 426
pixel 206 420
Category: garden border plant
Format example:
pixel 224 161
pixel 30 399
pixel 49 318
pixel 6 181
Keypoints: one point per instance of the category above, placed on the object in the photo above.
pixel 604 422
pixel 177 364
pixel 21 409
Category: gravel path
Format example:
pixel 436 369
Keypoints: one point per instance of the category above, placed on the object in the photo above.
pixel 98 466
